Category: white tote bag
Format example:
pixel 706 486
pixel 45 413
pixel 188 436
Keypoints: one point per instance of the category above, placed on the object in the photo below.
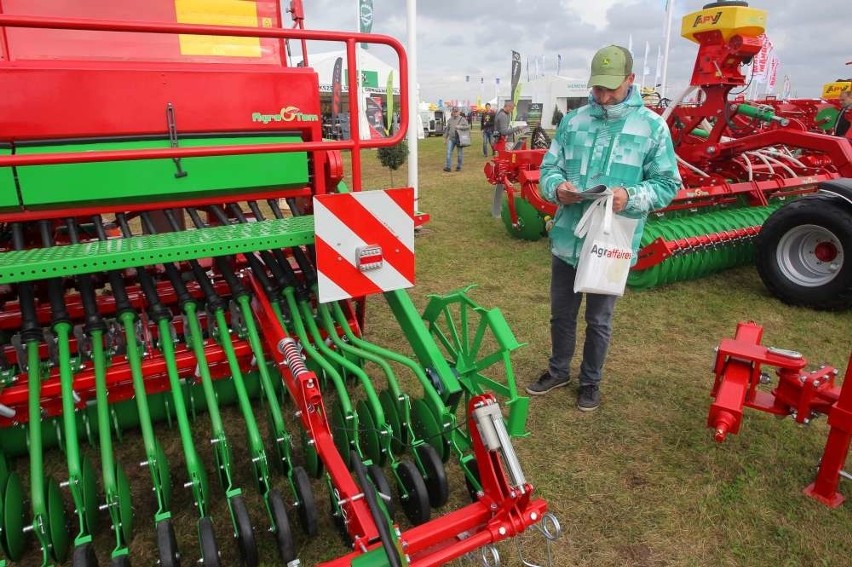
pixel 607 251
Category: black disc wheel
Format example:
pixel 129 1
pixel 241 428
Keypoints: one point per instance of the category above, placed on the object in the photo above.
pixel 84 556
pixel 435 476
pixel 380 481
pixel 209 549
pixel 413 493
pixel 801 253
pixel 283 533
pixel 120 561
pixel 245 532
pixel 167 544
pixel 305 504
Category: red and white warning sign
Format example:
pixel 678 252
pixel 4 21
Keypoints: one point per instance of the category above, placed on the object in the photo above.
pixel 364 242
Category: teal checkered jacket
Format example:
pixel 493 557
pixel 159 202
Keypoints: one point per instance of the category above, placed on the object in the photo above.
pixel 623 145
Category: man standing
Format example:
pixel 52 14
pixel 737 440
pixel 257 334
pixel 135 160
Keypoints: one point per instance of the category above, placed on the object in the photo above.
pixel 456 122
pixel 502 122
pixel 486 125
pixel 841 127
pixel 613 140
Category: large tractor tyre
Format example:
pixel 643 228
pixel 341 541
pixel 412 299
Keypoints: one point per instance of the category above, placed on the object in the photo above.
pixel 801 253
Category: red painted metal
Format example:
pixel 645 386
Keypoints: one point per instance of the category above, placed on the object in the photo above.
pixel 350 39
pixel 502 511
pixel 800 394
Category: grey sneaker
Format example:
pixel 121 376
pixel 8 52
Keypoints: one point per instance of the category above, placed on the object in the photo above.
pixel 589 398
pixel 546 383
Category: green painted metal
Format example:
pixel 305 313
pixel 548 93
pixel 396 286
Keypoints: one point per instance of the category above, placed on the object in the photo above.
pixel 375 437
pixel 700 261
pixel 154 180
pixel 111 473
pixel 8 189
pixel 531 223
pixel 119 254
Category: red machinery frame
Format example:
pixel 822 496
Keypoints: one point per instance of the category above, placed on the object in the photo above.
pixel 800 394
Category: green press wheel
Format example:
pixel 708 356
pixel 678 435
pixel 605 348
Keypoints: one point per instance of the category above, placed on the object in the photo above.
pixel 826 118
pixel 400 434
pixel 12 535
pixel 57 521
pixel 531 225
pixel 427 428
pixel 369 429
pixel 125 508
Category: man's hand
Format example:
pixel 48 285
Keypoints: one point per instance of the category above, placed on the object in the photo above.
pixel 566 194
pixel 619 199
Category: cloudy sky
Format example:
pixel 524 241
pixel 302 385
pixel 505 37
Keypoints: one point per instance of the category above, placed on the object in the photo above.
pixel 459 38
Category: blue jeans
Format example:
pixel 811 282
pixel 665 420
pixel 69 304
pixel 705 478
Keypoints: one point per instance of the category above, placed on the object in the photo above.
pixel 486 142
pixel 451 143
pixel 564 307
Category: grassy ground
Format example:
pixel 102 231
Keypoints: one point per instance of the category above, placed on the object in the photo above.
pixel 639 482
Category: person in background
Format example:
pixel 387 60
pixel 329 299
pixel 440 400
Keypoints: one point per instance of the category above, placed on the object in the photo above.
pixel 502 123
pixel 486 124
pixel 616 141
pixel 841 127
pixel 451 138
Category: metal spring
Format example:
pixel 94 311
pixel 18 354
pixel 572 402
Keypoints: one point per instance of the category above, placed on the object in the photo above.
pixel 290 350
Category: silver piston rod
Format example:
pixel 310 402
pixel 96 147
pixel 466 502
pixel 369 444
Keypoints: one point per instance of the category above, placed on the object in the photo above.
pixel 489 422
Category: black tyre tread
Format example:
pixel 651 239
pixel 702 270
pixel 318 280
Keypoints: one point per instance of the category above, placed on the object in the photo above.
pixel 306 508
pixel 436 475
pixel 167 544
pixel 821 211
pixel 416 507
pixel 209 549
pixel 246 538
pixel 283 533
pixel 84 556
pixel 380 481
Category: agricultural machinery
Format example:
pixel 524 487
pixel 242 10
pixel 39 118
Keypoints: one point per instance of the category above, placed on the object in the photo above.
pixel 761 182
pixel 798 393
pixel 172 306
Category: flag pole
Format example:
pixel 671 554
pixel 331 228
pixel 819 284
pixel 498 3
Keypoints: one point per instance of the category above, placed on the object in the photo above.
pixel 669 8
pixel 413 98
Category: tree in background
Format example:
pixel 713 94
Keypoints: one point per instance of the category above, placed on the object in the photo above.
pixel 393 157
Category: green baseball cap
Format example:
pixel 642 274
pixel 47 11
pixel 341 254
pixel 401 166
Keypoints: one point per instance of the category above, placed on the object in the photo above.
pixel 610 66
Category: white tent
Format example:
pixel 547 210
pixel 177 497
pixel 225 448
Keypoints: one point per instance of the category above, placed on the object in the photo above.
pixel 375 71
pixel 553 91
